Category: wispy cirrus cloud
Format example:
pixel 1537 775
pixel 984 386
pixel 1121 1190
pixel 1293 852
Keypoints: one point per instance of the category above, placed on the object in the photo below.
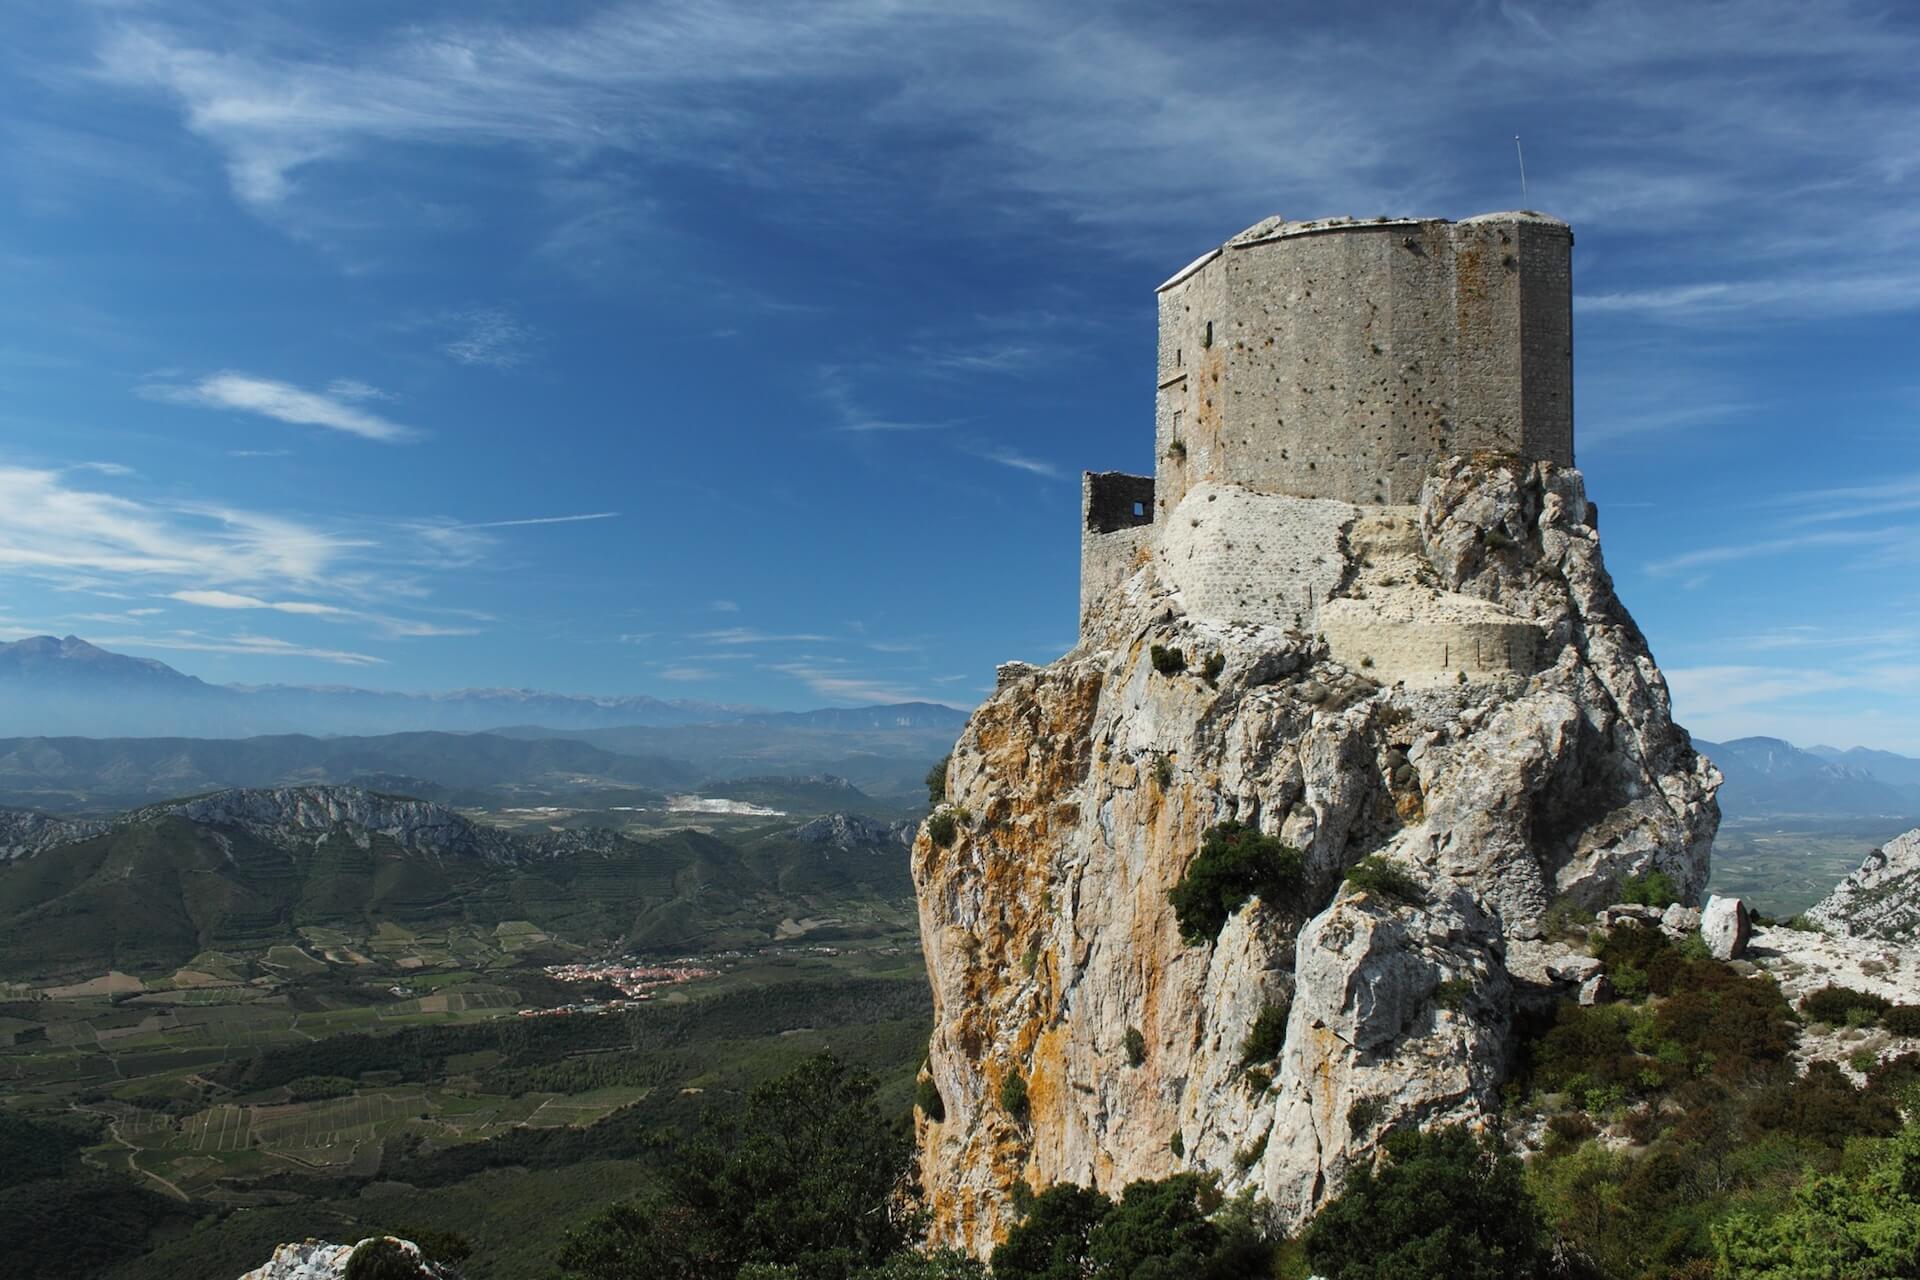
pixel 488 336
pixel 242 643
pixel 509 524
pixel 284 402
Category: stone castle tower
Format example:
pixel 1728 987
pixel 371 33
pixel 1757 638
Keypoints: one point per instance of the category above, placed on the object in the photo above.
pixel 1359 607
pixel 1334 360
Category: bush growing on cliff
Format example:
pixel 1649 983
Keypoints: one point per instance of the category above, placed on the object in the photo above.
pixel 1013 1096
pixel 1654 889
pixel 943 827
pixel 1235 863
pixel 1443 1203
pixel 1378 875
pixel 937 780
pixel 1136 1047
pixel 926 1096
pixel 1267 1036
pixel 1168 661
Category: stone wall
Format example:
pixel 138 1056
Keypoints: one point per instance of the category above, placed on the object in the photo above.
pixel 1117 515
pixel 1342 359
pixel 1239 556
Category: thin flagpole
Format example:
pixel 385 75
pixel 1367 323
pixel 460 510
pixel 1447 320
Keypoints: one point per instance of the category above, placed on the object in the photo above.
pixel 1522 157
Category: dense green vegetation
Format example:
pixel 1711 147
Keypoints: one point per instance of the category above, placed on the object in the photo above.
pixel 1175 1227
pixel 1443 1203
pixel 800 1177
pixel 1235 863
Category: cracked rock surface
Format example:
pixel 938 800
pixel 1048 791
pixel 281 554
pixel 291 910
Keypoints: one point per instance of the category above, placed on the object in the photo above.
pixel 1079 793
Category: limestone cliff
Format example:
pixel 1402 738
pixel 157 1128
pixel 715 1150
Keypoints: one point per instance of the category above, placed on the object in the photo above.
pixel 1391 718
pixel 1881 898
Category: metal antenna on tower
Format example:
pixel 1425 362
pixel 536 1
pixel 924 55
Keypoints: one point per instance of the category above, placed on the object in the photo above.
pixel 1522 157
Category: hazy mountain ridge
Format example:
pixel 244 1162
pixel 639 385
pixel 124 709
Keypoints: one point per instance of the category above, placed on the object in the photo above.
pixel 1772 777
pixel 126 771
pixel 55 686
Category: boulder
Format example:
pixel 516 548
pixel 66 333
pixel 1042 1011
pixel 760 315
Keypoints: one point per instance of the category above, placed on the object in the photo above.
pixel 1596 989
pixel 1724 927
pixel 1679 922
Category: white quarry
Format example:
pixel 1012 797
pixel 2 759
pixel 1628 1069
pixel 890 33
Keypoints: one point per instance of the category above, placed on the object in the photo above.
pixel 1360 607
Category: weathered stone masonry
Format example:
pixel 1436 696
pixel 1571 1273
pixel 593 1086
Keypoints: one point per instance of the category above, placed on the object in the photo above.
pixel 1338 361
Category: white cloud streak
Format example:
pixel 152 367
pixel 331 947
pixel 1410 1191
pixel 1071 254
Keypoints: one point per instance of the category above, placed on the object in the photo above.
pixel 284 402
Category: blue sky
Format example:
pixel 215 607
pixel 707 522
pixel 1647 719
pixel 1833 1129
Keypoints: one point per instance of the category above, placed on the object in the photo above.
pixel 751 353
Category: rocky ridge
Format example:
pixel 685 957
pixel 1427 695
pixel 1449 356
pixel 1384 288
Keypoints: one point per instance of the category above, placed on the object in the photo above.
pixel 305 814
pixel 1880 899
pixel 23 832
pixel 1080 792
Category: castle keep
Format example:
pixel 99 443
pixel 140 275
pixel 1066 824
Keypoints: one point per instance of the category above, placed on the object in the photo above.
pixel 1310 374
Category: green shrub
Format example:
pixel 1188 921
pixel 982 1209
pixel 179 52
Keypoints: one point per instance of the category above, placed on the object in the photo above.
pixel 1157 1230
pixel 1249 1156
pixel 1363 1114
pixel 1825 1107
pixel 937 780
pixel 1651 889
pixel 1453 993
pixel 1269 1033
pixel 1177 1144
pixel 911 1264
pixel 1163 770
pixel 1442 1203
pixel 1863 1222
pixel 1216 663
pixel 314 1088
pixel 802 1175
pixel 382 1258
pixel 1566 918
pixel 1235 862
pixel 1029 959
pixel 1902 1019
pixel 926 1096
pixel 1835 1005
pixel 1013 1096
pixel 943 828
pixel 1378 875
pixel 1168 661
pixel 1136 1047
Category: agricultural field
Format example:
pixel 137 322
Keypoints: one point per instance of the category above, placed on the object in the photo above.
pixel 334 1078
pixel 1784 866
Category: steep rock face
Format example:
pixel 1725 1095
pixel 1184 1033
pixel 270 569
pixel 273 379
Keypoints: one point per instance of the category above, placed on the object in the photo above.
pixel 1881 899
pixel 1080 793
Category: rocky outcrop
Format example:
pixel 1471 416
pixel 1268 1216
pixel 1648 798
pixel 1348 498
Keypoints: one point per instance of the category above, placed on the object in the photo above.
pixel 1080 792
pixel 853 831
pixel 1881 899
pixel 318 1260
pixel 24 832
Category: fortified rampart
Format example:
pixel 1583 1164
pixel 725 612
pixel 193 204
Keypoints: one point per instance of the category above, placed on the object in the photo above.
pixel 1335 361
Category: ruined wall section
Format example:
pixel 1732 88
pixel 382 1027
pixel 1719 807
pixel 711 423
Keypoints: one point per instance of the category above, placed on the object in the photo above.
pixel 1117 513
pixel 1342 359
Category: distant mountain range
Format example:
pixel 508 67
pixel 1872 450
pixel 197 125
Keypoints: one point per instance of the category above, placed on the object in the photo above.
pixel 1769 777
pixel 245 870
pixel 52 686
